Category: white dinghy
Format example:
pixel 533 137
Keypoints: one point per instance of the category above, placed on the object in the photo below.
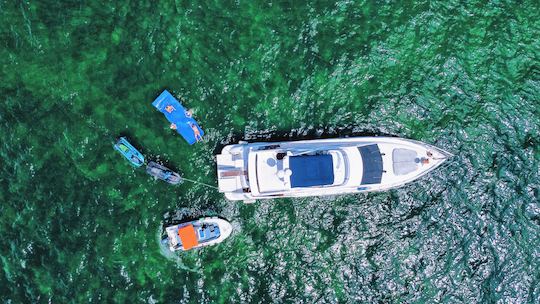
pixel 205 231
pixel 250 171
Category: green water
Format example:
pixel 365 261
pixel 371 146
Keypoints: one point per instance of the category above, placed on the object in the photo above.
pixel 79 225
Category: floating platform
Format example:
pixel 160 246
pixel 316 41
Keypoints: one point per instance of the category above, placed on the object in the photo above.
pixel 179 117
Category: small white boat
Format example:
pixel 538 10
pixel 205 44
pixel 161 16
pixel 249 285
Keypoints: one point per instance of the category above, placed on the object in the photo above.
pixel 205 231
pixel 250 171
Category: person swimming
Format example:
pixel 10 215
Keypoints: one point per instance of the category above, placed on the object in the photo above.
pixel 196 131
pixel 188 114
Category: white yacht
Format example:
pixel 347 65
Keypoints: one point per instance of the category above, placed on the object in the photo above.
pixel 251 171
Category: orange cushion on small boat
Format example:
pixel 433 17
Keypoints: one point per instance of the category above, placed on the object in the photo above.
pixel 188 237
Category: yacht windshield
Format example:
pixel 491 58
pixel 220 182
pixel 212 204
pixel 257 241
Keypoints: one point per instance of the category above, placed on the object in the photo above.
pixel 372 164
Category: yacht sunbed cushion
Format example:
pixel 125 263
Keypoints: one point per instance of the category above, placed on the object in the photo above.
pixel 311 170
pixel 372 163
pixel 404 161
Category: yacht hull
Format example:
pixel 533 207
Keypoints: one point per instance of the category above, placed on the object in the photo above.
pixel 251 171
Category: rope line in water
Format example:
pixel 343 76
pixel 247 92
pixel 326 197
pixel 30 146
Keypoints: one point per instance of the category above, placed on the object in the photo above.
pixel 200 183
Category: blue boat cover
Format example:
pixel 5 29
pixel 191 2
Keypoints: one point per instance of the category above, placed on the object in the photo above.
pixel 185 125
pixel 372 163
pixel 311 170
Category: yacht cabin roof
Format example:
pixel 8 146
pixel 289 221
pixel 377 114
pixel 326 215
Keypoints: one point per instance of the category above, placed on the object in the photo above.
pixel 275 174
pixel 311 170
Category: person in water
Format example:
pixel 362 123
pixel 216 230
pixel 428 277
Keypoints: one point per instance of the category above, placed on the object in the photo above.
pixel 188 114
pixel 194 128
pixel 196 131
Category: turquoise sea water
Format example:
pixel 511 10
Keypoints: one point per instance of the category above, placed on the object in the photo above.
pixel 79 225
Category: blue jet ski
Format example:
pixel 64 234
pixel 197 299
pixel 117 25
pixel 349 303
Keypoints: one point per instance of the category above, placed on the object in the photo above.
pixel 180 119
pixel 130 153
pixel 161 172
